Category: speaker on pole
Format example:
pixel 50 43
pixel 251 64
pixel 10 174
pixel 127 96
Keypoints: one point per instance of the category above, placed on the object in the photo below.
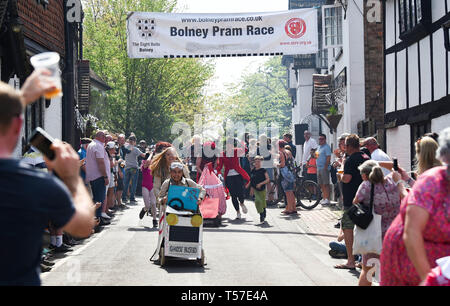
pixel 299 133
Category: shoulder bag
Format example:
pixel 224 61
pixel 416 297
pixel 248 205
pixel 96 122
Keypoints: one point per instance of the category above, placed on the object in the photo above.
pixel 360 214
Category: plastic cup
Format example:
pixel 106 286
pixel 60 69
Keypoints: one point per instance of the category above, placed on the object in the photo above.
pixel 50 61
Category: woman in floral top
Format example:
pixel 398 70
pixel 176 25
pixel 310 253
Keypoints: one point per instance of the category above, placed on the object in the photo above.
pixel 421 232
pixel 386 202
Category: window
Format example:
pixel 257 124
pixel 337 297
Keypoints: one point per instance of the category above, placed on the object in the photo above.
pixel 415 16
pixel 417 131
pixel 332 26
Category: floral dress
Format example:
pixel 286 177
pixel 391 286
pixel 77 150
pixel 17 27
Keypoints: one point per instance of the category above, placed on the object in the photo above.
pixel 386 200
pixel 431 192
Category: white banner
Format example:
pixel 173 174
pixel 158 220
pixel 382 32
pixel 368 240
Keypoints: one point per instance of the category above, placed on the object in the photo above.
pixel 156 35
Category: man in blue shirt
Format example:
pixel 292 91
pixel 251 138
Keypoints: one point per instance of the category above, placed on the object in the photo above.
pixel 31 198
pixel 82 154
pixel 323 169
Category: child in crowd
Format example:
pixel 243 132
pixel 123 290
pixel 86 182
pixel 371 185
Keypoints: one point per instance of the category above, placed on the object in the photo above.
pixel 258 180
pixel 311 166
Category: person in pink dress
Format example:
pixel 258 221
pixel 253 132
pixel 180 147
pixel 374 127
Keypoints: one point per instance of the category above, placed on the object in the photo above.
pixel 420 234
pixel 147 193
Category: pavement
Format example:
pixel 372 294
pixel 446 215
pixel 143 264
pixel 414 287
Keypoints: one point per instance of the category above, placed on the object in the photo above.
pixel 286 250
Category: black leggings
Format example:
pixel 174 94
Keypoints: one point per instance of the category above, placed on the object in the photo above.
pixel 235 185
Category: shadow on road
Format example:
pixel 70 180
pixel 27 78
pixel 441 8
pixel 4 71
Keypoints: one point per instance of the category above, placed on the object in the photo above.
pixel 182 266
pixel 266 232
pixel 142 229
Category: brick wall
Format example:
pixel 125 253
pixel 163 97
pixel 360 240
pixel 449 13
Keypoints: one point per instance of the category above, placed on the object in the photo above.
pixel 373 59
pixel 44 26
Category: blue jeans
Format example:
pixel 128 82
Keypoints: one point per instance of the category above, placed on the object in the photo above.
pixel 131 174
pixel 99 193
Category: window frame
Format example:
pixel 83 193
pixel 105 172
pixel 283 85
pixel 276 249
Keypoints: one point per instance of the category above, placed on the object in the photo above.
pixel 409 9
pixel 335 24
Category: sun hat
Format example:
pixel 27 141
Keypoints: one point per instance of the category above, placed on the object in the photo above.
pixel 176 165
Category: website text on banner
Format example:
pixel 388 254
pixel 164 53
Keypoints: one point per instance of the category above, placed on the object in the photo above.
pixel 157 35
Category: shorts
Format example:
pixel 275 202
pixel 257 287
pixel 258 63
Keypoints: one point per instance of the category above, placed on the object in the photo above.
pixel 119 184
pixel 112 183
pixel 346 222
pixel 323 176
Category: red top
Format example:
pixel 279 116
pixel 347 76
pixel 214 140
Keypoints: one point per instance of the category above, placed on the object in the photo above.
pixel 232 163
pixel 312 162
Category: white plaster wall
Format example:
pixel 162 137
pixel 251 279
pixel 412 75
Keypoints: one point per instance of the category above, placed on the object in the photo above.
pixel 425 69
pixel 398 145
pixel 53 118
pixel 441 123
pixel 439 69
pixel 353 59
pixel 413 76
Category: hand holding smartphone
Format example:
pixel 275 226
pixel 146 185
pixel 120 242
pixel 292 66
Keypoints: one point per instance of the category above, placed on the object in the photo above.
pixel 42 141
pixel 395 164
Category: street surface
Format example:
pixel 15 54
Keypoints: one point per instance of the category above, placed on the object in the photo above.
pixel 285 251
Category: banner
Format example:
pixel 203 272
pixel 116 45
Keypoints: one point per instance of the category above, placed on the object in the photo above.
pixel 157 35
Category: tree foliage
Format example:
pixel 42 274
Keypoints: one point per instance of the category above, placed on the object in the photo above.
pixel 148 95
pixel 260 97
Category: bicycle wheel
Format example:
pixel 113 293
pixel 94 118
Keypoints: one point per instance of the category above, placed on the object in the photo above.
pixel 273 193
pixel 308 194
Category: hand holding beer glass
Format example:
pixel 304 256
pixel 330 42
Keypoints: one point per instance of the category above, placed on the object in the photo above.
pixel 50 62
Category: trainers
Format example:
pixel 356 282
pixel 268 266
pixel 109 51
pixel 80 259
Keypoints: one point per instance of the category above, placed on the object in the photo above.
pixel 45 268
pixel 155 223
pixel 142 213
pixel 325 203
pixel 64 248
pixel 238 216
pixel 244 208
pixel 104 215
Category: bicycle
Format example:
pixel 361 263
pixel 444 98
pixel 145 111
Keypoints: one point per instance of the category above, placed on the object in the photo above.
pixel 307 193
pixel 273 191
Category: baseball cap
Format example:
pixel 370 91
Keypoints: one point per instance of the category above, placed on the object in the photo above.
pixel 111 145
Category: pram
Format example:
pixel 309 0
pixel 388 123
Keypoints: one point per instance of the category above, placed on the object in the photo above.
pixel 215 206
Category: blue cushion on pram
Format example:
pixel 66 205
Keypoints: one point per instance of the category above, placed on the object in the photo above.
pixel 183 198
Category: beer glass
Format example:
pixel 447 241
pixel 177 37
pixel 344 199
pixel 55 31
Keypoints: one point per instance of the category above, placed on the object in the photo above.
pixel 50 61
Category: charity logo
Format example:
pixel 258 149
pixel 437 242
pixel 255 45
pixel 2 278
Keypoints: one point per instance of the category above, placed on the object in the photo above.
pixel 146 27
pixel 295 28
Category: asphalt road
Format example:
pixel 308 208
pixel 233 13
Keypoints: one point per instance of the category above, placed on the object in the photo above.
pixel 241 252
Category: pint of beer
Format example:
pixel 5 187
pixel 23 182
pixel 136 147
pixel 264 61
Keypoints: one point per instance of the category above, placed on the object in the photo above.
pixel 50 61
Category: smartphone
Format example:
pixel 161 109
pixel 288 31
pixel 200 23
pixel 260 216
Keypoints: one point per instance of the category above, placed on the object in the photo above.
pixel 42 141
pixel 395 164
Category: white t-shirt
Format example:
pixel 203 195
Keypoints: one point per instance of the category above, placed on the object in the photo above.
pixel 307 146
pixel 379 155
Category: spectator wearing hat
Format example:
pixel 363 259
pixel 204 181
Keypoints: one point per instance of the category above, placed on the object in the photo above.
pixel 177 178
pixel 143 148
pixel 258 181
pixel 131 168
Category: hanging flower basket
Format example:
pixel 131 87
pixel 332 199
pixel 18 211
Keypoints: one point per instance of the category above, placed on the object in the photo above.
pixel 334 120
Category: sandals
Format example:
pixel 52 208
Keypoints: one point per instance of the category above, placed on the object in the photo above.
pixel 344 267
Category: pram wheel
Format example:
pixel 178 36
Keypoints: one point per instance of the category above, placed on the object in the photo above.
pixel 201 261
pixel 162 257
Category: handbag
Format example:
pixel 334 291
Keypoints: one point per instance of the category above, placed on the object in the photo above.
pixel 368 240
pixel 287 175
pixel 360 214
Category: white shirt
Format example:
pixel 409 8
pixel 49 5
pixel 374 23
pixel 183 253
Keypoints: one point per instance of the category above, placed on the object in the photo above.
pixel 307 146
pixel 379 155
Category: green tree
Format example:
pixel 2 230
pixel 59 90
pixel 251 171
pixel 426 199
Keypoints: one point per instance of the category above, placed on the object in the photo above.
pixel 260 97
pixel 148 95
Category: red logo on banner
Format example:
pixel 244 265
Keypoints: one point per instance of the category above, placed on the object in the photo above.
pixel 295 28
